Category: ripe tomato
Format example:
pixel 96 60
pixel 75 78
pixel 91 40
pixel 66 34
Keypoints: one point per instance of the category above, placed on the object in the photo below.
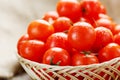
pixel 32 50
pixel 81 36
pixel 105 23
pixel 117 38
pixel 58 39
pixel 62 24
pixel 84 58
pixel 50 16
pixel 56 56
pixel 116 29
pixel 22 38
pixel 40 29
pixel 103 37
pixel 110 51
pixel 69 8
pixel 92 8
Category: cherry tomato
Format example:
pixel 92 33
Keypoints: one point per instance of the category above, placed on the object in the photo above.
pixel 58 39
pixel 32 50
pixel 92 8
pixel 69 8
pixel 110 51
pixel 81 36
pixel 56 56
pixel 22 38
pixel 84 58
pixel 105 23
pixel 116 29
pixel 62 24
pixel 40 29
pixel 117 38
pixel 103 37
pixel 50 16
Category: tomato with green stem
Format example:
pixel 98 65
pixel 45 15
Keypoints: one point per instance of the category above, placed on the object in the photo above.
pixel 56 56
pixel 84 58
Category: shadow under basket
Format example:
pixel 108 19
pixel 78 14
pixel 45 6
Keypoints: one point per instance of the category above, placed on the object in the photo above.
pixel 109 70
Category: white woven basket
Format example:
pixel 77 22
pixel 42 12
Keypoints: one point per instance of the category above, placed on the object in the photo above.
pixel 109 70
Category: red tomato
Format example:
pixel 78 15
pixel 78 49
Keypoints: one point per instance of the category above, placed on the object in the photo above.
pixel 62 24
pixel 40 29
pixel 69 8
pixel 81 36
pixel 117 38
pixel 105 23
pixel 22 38
pixel 32 50
pixel 55 56
pixel 103 37
pixel 58 39
pixel 84 59
pixel 110 51
pixel 91 9
pixel 116 29
pixel 50 16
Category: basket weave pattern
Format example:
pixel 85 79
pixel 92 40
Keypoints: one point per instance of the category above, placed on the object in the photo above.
pixel 109 70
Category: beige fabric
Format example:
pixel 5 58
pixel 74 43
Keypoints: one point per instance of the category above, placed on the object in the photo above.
pixel 14 18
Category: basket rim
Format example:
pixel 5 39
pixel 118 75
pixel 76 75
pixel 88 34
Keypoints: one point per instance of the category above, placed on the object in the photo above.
pixel 21 59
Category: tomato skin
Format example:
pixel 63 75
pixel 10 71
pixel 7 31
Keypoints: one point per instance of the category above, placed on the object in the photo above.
pixel 58 39
pixel 57 55
pixel 92 8
pixel 81 36
pixel 62 24
pixel 105 23
pixel 116 29
pixel 110 51
pixel 116 38
pixel 103 37
pixel 40 29
pixel 69 8
pixel 32 50
pixel 51 15
pixel 84 59
pixel 22 38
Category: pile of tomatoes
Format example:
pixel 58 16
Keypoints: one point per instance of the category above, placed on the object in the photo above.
pixel 76 33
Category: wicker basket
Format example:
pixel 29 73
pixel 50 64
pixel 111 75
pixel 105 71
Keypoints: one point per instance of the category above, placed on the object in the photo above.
pixel 109 70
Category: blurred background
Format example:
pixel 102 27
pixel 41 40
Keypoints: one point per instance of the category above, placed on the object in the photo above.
pixel 15 16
